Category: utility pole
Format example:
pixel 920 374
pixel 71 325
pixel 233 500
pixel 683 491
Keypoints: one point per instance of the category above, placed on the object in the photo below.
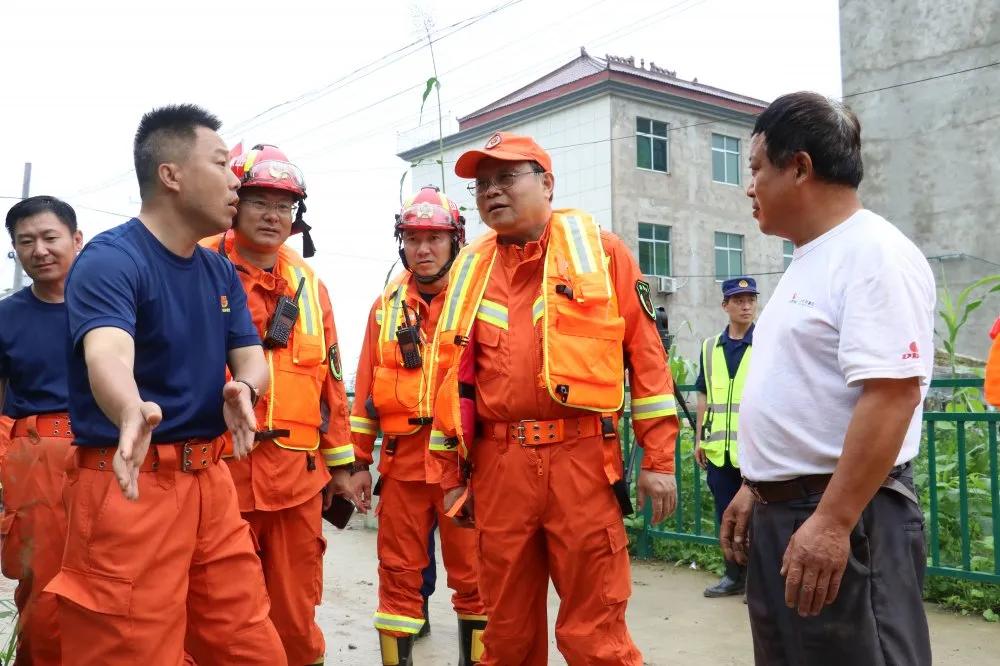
pixel 25 188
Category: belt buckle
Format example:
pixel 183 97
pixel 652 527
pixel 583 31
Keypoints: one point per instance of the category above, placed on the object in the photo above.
pixel 519 432
pixel 190 462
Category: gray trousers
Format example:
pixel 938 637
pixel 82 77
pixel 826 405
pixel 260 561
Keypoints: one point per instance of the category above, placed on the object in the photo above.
pixel 878 618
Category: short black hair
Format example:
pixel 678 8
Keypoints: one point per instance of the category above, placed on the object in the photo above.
pixel 163 135
pixel 41 204
pixel 825 129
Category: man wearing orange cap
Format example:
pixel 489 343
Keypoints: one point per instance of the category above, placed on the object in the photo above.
pixel 303 453
pixel 393 394
pixel 542 317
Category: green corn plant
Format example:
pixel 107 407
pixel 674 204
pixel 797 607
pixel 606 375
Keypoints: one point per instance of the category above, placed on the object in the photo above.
pixel 955 312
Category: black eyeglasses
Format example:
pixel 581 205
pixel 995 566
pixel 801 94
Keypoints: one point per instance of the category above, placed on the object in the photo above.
pixel 502 182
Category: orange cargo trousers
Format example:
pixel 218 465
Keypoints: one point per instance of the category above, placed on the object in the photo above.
pixel 142 581
pixel 549 511
pixel 406 512
pixel 34 530
pixel 291 550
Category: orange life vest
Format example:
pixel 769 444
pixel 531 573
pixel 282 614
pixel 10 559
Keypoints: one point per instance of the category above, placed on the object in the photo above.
pixel 583 354
pixel 297 372
pixel 402 396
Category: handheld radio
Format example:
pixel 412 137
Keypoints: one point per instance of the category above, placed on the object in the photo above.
pixel 408 337
pixel 286 312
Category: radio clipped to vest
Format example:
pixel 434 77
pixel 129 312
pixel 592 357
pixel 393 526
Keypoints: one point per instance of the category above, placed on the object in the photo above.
pixel 286 312
pixel 408 337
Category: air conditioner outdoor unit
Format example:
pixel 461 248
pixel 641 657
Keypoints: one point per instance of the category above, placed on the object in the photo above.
pixel 666 285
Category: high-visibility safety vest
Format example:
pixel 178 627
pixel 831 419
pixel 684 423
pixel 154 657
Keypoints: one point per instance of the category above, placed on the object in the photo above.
pixel 402 396
pixel 583 357
pixel 722 417
pixel 297 372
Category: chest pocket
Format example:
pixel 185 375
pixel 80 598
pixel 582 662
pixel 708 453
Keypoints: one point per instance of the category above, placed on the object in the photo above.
pixel 493 358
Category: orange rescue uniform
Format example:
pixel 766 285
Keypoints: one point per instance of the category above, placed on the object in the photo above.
pixel 278 485
pixel 547 509
pixel 34 526
pixel 410 495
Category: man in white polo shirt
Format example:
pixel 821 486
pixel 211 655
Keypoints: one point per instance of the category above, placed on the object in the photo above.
pixel 831 410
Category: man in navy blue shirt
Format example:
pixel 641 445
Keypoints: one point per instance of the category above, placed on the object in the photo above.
pixel 157 557
pixel 725 359
pixel 33 350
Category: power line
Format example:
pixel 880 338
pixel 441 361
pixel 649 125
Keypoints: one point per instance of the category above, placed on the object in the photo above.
pixel 96 210
pixel 339 83
pixel 929 78
pixel 643 23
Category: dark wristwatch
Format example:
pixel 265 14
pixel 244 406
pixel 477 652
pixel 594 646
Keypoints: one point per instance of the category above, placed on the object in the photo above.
pixel 254 395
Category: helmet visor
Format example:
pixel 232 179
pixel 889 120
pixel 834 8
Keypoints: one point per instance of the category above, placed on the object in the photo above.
pixel 273 173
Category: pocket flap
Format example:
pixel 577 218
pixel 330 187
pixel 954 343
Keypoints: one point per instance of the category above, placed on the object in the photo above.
pixel 101 594
pixel 617 537
pixel 487 334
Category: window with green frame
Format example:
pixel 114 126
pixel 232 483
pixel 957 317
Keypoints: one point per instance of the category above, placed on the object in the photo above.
pixel 725 159
pixel 651 148
pixel 654 249
pixel 728 256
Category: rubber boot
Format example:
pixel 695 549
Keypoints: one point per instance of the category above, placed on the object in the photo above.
pixel 396 651
pixel 470 639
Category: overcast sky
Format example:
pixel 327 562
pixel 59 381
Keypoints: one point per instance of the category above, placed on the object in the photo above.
pixel 77 76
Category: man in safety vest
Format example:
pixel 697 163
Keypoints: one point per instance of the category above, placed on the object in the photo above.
pixel 34 347
pixel 394 392
pixel 725 359
pixel 303 453
pixel 542 317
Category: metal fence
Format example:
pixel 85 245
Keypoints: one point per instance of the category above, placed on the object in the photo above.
pixel 956 474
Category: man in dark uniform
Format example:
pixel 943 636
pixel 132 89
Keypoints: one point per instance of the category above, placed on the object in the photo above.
pixel 725 359
pixel 33 391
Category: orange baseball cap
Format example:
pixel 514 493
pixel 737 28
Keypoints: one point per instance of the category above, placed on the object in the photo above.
pixel 503 146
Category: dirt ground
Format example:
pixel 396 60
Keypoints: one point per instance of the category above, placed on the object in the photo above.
pixel 669 618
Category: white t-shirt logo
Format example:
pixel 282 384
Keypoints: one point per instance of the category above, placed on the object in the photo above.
pixel 802 300
pixel 913 353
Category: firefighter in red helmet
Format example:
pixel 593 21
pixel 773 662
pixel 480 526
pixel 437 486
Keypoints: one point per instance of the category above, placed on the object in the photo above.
pixel 392 396
pixel 303 453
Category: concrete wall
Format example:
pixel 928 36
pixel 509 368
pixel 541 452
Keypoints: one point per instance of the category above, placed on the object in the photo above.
pixel 577 140
pixel 931 158
pixel 695 207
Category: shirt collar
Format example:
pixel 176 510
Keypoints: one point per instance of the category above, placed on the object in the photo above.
pixel 747 339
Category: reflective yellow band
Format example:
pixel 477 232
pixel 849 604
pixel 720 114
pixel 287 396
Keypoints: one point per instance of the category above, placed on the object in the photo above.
pixel 396 313
pixel 360 424
pixel 579 249
pixel 654 406
pixel 537 310
pixel 407 625
pixel 474 618
pixel 492 313
pixel 338 456
pixel 453 306
pixel 378 317
pixel 439 442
